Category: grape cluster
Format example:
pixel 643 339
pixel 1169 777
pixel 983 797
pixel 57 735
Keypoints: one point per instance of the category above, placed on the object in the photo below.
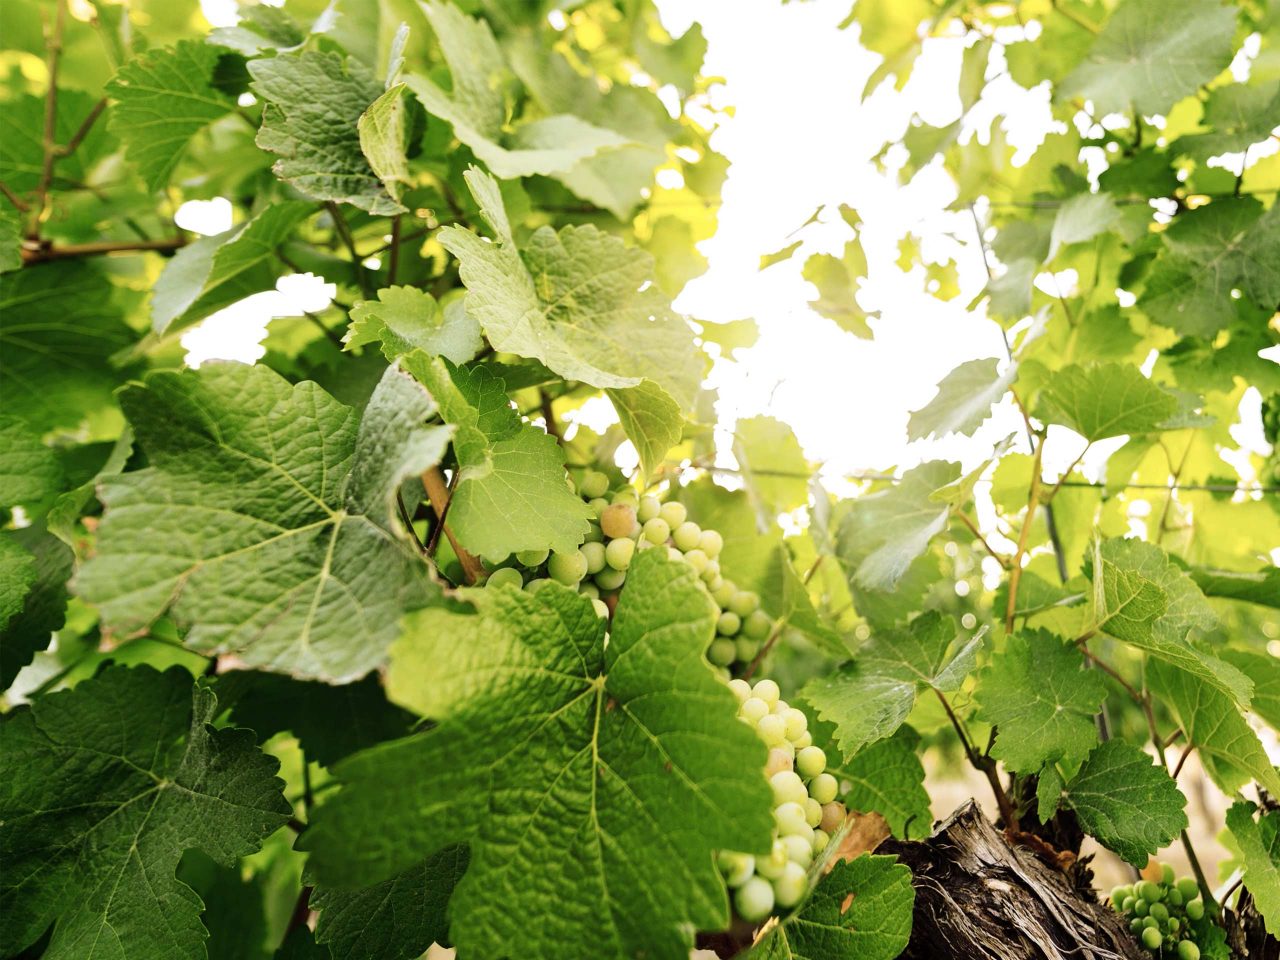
pixel 626 523
pixel 805 809
pixel 1162 914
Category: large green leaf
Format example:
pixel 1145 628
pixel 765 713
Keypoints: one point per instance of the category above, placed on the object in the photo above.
pixel 1259 842
pixel 593 768
pixel 963 401
pixel 1101 400
pixel 1236 116
pixel 29 469
pixel 265 523
pixel 403 319
pixel 887 777
pixel 34 569
pixel 106 786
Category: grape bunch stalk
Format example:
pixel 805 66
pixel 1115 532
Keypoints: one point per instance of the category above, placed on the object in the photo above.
pixel 806 811
pixel 625 523
pixel 1163 915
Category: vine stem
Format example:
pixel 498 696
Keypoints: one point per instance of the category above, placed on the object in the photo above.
pixel 48 143
pixel 1015 571
pixel 981 763
pixel 973 528
pixel 780 625
pixel 438 493
pixel 67 251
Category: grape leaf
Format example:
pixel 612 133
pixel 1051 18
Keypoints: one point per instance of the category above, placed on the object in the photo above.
pixel 62 309
pixel 882 533
pixel 17 576
pixel 1230 751
pixel 234 913
pixel 651 418
pixel 34 569
pixel 10 241
pixel 404 319
pixel 260 28
pixel 21 132
pixel 1141 597
pixel 773 464
pixel 265 522
pixel 1208 252
pixel 1259 842
pixel 69 507
pixel 108 784
pixel 1081 218
pixel 214 272
pixel 29 469
pixel 837 281
pixel 605 768
pixel 861 910
pixel 1150 55
pixel 1236 116
pixel 313 102
pixel 1101 400
pixel 1010 293
pixel 511 493
pixel 163 99
pixel 870 697
pixel 1042 699
pixel 964 399
pixel 1263 671
pixel 330 722
pixel 886 777
pixel 1262 586
pixel 386 133
pixel 1125 801
pixel 476 105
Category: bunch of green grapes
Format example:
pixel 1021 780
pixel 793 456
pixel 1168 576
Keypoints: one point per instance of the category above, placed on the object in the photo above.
pixel 1162 915
pixel 626 523
pixel 806 811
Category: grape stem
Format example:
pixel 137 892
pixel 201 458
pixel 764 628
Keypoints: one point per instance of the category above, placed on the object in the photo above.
pixel 1015 571
pixel 981 763
pixel 433 483
pixel 780 625
pixel 53 47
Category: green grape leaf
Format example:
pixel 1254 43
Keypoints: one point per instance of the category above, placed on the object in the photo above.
pixel 62 309
pixel 476 105
pixel 1236 117
pixel 21 127
pixel 1101 400
pixel 34 569
pixel 1126 801
pixel 163 99
pixel 68 508
pixel 651 419
pixel 622 768
pixel 887 777
pixel 260 28
pixel 396 919
pixel 1259 842
pixel 1042 698
pixel 1229 750
pixel 1010 293
pixel 1081 218
pixel 870 697
pixel 10 241
pixel 964 399
pixel 386 131
pixel 1151 55
pixel 29 469
pixel 313 102
pixel 837 281
pixel 1049 787
pixel 1208 252
pixel 578 300
pixel 214 272
pixel 883 533
pixel 234 913
pixel 511 493
pixel 778 256
pixel 1263 671
pixel 861 910
pixel 108 784
pixel 1262 586
pixel 265 521
pixel 773 464
pixel 330 722
pixel 1141 597
pixel 404 319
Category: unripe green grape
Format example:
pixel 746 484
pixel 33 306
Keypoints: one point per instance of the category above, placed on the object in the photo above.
pixel 787 786
pixel 1135 925
pixel 686 536
pixel 799 850
pixel 589 590
pixel 1167 875
pixel 797 723
pixel 754 899
pixel 780 707
pixel 1141 907
pixel 724 593
pixel 778 761
pixel 789 818
pixel 804 740
pixel 1119 893
pixel 824 787
pixel 1174 925
pixel 833 813
pixel 812 812
pixel 711 574
pixel 601 608
pixel 1150 923
pixel 674 513
pixel 820 840
pixel 754 709
pixel 610 579
pixel 675 555
pixel 505 577
pixel 648 509
pixel 1127 904
pixel 594 533
pixel 737 868
pixel 533 558
pixel 789 888
pixel 619 553
pixel 1194 909
pixel 1151 938
pixel 568 568
pixel 593 484
pixel 711 543
pixel 598 506
pixel 758 625
pixel 767 691
pixel 771 866
pixel 741 689
pixel 594 552
pixel 810 761
pixel 1188 888
pixel 772 730
pixel 722 652
pixel 745 603
pixel 618 520
pixel 746 649
pixel 1174 897
pixel 1188 951
pixel 536 584
pixel 714 585
pixel 1159 912
pixel 656 530
pixel 628 496
pixel 728 624
pixel 696 559
pixel 1150 892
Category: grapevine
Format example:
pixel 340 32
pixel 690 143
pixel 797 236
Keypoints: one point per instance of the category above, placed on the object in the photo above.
pixel 1165 914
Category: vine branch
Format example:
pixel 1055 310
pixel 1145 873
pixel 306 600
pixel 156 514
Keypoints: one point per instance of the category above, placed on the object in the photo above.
pixel 433 483
pixel 48 142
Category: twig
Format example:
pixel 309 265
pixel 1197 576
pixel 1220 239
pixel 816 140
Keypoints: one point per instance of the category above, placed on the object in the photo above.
pixel 408 525
pixel 68 251
pixel 21 205
pixel 53 46
pixel 983 764
pixel 973 528
pixel 332 335
pixel 1015 570
pixel 77 138
pixel 349 241
pixel 1177 769
pixel 438 493
pixel 548 414
pixel 1130 689
pixel 778 627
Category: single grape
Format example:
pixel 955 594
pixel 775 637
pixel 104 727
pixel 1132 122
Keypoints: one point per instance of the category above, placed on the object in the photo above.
pixel 618 520
pixel 789 888
pixel 1150 892
pixel 594 535
pixel 728 624
pixel 772 729
pixel 754 709
pixel 1151 938
pixel 746 649
pixel 1150 922
pixel 771 866
pixel 797 722
pixel 767 691
pixel 714 584
pixel 601 608
pixel 804 740
pixel 1194 909
pixel 598 506
pixel 626 495
pixel 711 543
pixel 799 850
pixel 1159 912
pixel 648 509
pixel 674 555
pixel 1119 893
pixel 810 761
pixel 1141 907
pixel 1174 897
pixel 787 786
pixel 536 584
pixel 656 530
pixel 722 652
pixel 812 812
pixel 1127 904
pixel 505 577
pixel 593 484
pixel 674 513
pixel 724 593
pixel 711 573
pixel 833 815
pixel 1174 925
pixel 789 818
pixel 737 868
pixel 820 840
pixel 1188 951
pixel 1135 925
pixel 568 568
pixel 745 603
pixel 754 899
pixel 1187 887
pixel 778 761
pixel 823 787
pixel 758 625
pixel 696 559
pixel 780 707
pixel 686 536
pixel 741 689
pixel 533 558
pixel 619 553
pixel 594 552
pixel 1167 875
pixel 610 579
